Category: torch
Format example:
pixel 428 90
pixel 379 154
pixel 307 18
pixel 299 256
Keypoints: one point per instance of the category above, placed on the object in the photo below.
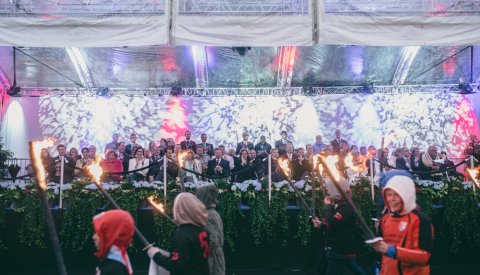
pixel 283 164
pixel 35 152
pixel 181 161
pixel 473 175
pixel 159 208
pixel 96 171
pixel 334 175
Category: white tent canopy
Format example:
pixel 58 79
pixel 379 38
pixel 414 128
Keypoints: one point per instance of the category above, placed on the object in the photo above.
pixel 76 23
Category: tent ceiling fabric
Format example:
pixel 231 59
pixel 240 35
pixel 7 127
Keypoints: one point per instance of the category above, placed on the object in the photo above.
pixel 167 66
pixel 116 23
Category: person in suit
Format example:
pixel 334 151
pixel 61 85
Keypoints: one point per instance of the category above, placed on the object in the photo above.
pixel 230 159
pixel 68 163
pixel 188 143
pixel 207 147
pixel 218 166
pixel 155 158
pixel 300 165
pixel 245 144
pixel 259 166
pixel 243 164
pixel 338 142
pixel 112 146
pixel 133 143
pixel 280 144
pixel 263 146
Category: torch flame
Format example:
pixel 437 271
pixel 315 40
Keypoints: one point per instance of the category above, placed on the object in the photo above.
pixel 360 163
pixel 283 164
pixel 37 152
pixel 331 162
pixel 182 157
pixel 156 205
pixel 95 169
pixel 473 173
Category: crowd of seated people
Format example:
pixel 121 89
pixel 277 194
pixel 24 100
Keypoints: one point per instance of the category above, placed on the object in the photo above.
pixel 247 161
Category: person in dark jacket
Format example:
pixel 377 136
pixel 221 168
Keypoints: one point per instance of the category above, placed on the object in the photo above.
pixel 209 196
pixel 114 231
pixel 190 243
pixel 242 165
pixel 339 224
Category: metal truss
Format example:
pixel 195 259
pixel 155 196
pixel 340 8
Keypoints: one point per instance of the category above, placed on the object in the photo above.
pixel 247 92
pixel 408 55
pixel 402 7
pixel 201 66
pixel 4 81
pixel 244 7
pixel 78 61
pixel 286 60
pixel 81 7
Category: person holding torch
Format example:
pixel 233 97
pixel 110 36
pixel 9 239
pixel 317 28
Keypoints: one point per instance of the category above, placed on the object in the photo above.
pixel 407 233
pixel 339 224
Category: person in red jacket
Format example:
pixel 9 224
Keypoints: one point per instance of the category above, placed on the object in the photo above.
pixel 114 231
pixel 111 165
pixel 407 233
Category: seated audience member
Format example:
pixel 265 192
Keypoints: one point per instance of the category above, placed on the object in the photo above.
pixel 172 168
pixel 48 163
pixel 114 231
pixel 188 143
pixel 83 162
pixel 309 153
pixel 123 156
pixel 400 162
pixel 245 144
pixel 318 145
pixel 133 143
pixel 218 166
pixel 111 165
pixel 147 153
pixel 356 168
pixel 192 164
pixel 155 158
pixel 113 145
pixel 137 163
pixel 275 156
pixel 338 143
pixel 363 151
pixel 407 156
pixel 202 158
pixel 171 143
pixel 263 146
pixel 329 150
pixel 415 158
pixel 258 165
pixel 448 164
pixel 74 154
pixel 280 144
pixel 69 163
pixel 230 159
pixel 243 164
pixel 93 152
pixel 427 164
pixel 300 166
pixel 207 147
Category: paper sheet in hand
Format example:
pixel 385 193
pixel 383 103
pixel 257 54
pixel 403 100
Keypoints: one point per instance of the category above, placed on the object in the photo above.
pixel 155 269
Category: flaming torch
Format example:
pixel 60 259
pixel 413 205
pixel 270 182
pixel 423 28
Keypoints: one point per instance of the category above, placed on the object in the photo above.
pixel 335 177
pixel 35 152
pixel 95 170
pixel 473 173
pixel 181 161
pixel 159 208
pixel 283 163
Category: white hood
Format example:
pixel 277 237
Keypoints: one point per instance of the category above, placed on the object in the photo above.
pixel 405 188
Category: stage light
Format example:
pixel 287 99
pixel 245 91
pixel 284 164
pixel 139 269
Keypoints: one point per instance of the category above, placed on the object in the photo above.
pixel 464 87
pixel 241 50
pixel 367 88
pixel 176 91
pixel 14 91
pixel 102 91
